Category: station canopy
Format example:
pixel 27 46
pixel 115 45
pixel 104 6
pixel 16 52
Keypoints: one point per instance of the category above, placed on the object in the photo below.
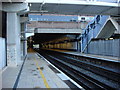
pixel 74 7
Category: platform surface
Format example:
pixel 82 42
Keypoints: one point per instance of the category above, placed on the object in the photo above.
pixel 35 73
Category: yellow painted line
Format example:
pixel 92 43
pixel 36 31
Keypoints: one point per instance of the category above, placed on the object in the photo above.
pixel 42 75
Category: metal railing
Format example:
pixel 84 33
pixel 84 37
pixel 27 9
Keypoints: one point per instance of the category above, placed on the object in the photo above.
pixel 93 29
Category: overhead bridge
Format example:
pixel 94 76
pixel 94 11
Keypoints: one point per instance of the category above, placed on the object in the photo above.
pixel 56 27
pixel 39 30
pixel 75 7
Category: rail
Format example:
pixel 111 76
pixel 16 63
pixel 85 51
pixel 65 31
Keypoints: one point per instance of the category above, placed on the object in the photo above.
pixel 88 72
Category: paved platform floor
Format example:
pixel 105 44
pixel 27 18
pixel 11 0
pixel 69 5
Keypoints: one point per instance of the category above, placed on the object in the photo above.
pixel 88 55
pixel 35 73
pixel 9 76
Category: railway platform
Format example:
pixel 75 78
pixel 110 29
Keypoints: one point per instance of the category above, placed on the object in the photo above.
pixel 108 58
pixel 35 73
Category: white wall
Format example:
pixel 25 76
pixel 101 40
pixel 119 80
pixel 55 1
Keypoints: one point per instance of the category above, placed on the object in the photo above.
pixel 2 53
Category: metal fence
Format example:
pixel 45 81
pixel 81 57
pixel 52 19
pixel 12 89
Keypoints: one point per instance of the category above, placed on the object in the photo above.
pixel 104 47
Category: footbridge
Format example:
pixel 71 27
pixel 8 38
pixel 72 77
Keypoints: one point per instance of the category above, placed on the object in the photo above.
pixel 75 7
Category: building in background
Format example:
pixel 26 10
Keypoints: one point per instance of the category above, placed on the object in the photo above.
pixel 62 18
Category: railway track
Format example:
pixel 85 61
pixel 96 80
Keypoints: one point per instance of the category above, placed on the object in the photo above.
pixel 88 74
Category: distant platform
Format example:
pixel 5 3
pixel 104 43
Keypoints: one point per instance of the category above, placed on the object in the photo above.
pixel 116 59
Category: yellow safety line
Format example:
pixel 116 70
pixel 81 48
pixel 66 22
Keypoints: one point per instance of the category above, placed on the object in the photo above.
pixel 42 75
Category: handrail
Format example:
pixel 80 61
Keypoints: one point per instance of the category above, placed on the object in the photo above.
pixel 93 23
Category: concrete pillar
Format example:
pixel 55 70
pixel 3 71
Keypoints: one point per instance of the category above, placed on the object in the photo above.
pixel 13 39
pixel 24 46
pixel 81 44
pixel 22 49
pixel 24 40
pixel 22 29
pixel 78 46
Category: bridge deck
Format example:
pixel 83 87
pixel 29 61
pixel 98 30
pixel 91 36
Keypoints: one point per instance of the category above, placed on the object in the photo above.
pixel 75 7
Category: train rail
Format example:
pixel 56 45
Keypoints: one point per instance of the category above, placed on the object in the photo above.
pixel 88 72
